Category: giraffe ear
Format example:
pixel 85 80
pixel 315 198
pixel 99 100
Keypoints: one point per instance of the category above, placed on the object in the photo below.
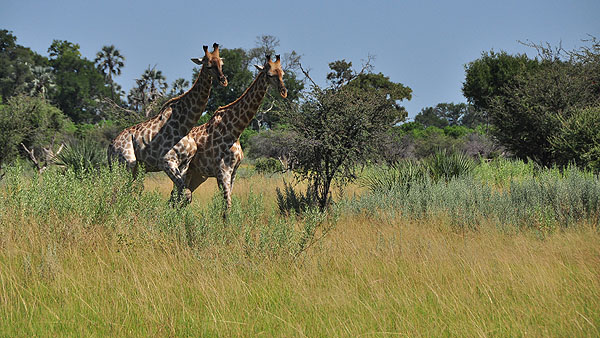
pixel 197 61
pixel 261 68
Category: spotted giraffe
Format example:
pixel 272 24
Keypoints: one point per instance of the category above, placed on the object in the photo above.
pixel 217 146
pixel 157 142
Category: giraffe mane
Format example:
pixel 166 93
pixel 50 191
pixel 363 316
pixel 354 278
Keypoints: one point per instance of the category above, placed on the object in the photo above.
pixel 241 96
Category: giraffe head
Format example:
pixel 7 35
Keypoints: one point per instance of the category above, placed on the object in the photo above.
pixel 274 74
pixel 213 63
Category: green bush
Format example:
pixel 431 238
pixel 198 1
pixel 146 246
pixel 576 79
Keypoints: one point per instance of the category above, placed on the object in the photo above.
pixel 82 156
pixel 398 176
pixel 289 201
pixel 578 139
pixel 68 205
pixel 268 166
pixel 444 165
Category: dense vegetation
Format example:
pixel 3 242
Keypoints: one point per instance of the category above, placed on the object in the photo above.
pixel 481 251
pixel 478 218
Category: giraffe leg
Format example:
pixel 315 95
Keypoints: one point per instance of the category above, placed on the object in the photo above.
pixel 224 181
pixel 179 189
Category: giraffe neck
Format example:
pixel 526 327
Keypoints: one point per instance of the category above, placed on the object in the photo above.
pixel 237 115
pixel 188 107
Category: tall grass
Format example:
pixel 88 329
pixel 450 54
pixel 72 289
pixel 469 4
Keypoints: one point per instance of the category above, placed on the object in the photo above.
pixel 546 201
pixel 97 255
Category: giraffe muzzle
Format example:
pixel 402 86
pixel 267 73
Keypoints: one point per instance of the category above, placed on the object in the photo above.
pixel 223 81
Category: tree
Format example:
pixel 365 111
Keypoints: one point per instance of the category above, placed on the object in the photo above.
pixel 578 139
pixel 16 64
pixel 239 77
pixel 110 61
pixel 449 114
pixel 42 82
pixel 179 87
pixel 79 84
pixel 487 77
pixel 149 87
pixel 29 124
pixel 393 92
pixel 341 73
pixel 534 106
pixel 430 117
pixel 335 129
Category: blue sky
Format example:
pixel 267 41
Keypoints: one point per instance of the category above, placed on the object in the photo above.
pixel 421 44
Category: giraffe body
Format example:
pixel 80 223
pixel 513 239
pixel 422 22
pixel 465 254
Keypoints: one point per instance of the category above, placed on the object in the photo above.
pixel 217 148
pixel 157 142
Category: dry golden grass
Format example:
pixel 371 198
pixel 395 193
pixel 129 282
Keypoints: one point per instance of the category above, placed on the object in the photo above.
pixel 368 276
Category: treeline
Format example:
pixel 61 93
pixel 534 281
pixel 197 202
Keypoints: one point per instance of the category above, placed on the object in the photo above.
pixel 544 109
pixel 66 99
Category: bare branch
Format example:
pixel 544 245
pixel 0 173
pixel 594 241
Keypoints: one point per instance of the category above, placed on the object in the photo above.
pixel 307 75
pixel 367 66
pixel 33 159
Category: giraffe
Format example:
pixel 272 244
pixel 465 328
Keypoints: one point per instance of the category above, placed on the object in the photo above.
pixel 218 151
pixel 156 142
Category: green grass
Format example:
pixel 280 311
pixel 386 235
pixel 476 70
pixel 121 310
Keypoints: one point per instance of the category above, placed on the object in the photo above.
pixel 98 255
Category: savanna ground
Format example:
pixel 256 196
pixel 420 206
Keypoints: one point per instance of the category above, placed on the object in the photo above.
pixel 95 255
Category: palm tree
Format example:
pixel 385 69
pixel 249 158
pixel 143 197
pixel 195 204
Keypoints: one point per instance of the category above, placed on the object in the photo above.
pixel 42 82
pixel 110 61
pixel 178 86
pixel 149 87
pixel 155 83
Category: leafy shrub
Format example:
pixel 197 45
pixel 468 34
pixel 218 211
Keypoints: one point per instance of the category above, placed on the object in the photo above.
pixel 579 138
pixel 268 165
pixel 444 165
pixel 398 176
pixel 290 201
pixel 82 156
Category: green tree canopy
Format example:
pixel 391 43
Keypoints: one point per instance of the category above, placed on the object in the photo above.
pixel 449 114
pixel 110 61
pixel 533 107
pixel 16 65
pixel 31 121
pixel 486 77
pixel 79 84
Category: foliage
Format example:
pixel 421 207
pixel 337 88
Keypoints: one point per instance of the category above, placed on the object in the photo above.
pixel 110 61
pixel 486 77
pixel 528 113
pixel 178 87
pixel 239 77
pixel 549 200
pixel 445 166
pixel 578 138
pixel 404 174
pixel 449 114
pixel 268 165
pixel 150 88
pixel 16 65
pixel 333 131
pixel 245 136
pixel 275 143
pixel 79 84
pixel 400 175
pixel 31 121
pixel 83 156
pixel 291 202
